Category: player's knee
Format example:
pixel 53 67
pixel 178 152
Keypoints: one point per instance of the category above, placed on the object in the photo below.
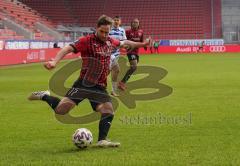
pixel 64 107
pixel 106 111
pixel 105 108
pixel 60 111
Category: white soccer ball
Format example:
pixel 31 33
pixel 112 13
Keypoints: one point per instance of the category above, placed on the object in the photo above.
pixel 82 138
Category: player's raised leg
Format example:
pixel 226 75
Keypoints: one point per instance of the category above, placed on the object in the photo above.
pixel 59 106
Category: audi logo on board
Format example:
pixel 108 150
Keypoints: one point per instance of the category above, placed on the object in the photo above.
pixel 217 49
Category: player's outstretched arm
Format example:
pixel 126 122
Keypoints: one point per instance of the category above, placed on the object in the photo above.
pixel 133 45
pixel 63 52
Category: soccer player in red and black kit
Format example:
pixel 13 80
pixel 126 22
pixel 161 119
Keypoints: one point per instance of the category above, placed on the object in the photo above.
pixel 95 51
pixel 134 34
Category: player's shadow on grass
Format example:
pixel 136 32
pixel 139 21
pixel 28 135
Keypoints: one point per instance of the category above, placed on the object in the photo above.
pixel 88 149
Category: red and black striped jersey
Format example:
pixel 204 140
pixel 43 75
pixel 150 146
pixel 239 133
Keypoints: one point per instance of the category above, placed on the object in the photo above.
pixel 95 58
pixel 136 36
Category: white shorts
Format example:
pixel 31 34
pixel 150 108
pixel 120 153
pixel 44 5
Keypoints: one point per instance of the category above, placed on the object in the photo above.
pixel 114 60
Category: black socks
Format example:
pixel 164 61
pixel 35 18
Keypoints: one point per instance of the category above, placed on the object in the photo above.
pixel 52 101
pixel 104 126
pixel 128 74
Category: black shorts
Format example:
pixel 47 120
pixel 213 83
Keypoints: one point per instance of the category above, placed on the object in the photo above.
pixel 133 57
pixel 95 94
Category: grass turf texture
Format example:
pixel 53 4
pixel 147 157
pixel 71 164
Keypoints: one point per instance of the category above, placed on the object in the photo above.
pixel 205 86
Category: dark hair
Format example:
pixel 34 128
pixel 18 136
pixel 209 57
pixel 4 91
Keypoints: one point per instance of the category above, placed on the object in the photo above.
pixel 118 17
pixel 55 45
pixel 104 20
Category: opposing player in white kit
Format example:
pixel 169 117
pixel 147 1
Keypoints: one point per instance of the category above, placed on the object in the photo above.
pixel 116 32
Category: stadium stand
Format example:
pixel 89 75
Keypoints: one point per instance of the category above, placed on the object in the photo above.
pixel 59 11
pixel 6 33
pixel 9 34
pixel 25 16
pixel 175 19
pixel 231 21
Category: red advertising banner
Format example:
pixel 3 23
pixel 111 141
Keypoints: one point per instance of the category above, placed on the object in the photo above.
pixel 195 49
pixel 11 57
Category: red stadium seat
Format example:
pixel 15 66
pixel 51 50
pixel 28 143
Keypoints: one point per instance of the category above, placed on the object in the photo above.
pixel 23 15
pixel 174 19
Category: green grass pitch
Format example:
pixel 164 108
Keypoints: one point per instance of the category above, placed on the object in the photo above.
pixel 206 95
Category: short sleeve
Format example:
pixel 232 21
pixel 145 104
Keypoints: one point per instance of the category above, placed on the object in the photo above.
pixel 79 45
pixel 115 42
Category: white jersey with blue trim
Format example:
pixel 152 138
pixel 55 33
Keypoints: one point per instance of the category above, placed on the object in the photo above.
pixel 119 34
